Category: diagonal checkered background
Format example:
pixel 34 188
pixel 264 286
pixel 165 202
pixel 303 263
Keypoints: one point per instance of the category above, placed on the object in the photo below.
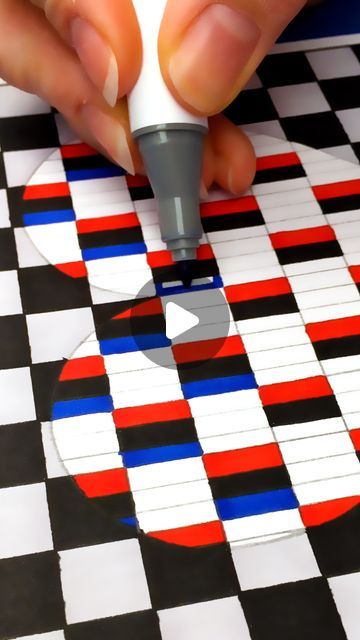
pixel 66 571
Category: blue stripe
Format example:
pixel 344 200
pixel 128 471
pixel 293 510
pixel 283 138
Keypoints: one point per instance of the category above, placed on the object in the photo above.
pixel 218 385
pixel 161 454
pixel 216 283
pixel 131 522
pixel 97 253
pixel 48 217
pixel 129 344
pixel 82 407
pixel 89 174
pixel 255 504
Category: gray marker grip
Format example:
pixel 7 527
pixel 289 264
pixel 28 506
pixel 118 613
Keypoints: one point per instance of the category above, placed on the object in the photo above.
pixel 173 157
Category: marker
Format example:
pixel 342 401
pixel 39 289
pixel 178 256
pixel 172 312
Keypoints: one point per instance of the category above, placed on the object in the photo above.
pixel 171 142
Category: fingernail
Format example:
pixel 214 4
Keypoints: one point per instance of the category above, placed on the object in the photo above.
pixel 110 134
pixel 97 58
pixel 206 67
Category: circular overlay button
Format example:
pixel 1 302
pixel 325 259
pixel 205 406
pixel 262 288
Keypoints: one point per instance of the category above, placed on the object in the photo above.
pixel 186 330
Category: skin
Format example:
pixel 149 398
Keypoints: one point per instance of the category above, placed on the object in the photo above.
pixel 43 50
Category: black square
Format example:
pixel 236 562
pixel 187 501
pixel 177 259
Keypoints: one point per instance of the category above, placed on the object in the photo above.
pixel 3 182
pixel 45 289
pixel 318 130
pixel 143 625
pixel 30 595
pixel 105 311
pixel 356 147
pixel 278 70
pixel 76 521
pixel 179 575
pixel 342 93
pixel 22 456
pixel 44 378
pixel 252 105
pixel 28 132
pixel 336 544
pixel 356 50
pixel 293 611
pixel 14 343
pixel 16 205
pixel 8 253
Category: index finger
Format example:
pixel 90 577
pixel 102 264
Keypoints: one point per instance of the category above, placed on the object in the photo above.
pixel 106 37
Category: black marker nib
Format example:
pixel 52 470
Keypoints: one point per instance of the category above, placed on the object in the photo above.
pixel 186 270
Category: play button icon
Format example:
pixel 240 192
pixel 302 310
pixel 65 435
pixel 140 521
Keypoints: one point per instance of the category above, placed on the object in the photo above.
pixel 191 325
pixel 178 320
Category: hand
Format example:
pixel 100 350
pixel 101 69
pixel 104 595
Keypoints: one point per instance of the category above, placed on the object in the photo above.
pixel 84 56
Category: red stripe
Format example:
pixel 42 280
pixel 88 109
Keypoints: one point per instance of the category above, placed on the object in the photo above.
pixel 355 437
pixel 39 191
pixel 77 150
pixel 73 269
pixel 302 236
pixel 229 462
pixel 103 483
pixel 221 207
pixel 147 414
pixel 159 259
pixel 137 181
pixel 253 290
pixel 316 514
pixel 280 392
pixel 355 273
pixel 338 189
pixel 121 221
pixel 148 308
pixel 206 349
pixel 164 258
pixel 196 535
pixel 88 367
pixel 280 160
pixel 333 328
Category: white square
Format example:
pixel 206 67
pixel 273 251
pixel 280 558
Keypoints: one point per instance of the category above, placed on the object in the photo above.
pixel 344 152
pixel 268 128
pixel 102 296
pixel 10 300
pixel 55 335
pixel 4 210
pixel 299 99
pixel 58 242
pixel 14 102
pixel 25 524
pixel 205 621
pixel 350 119
pixel 334 63
pixel 28 255
pixel 16 393
pixel 66 135
pixel 53 635
pixel 346 591
pixel 286 560
pixel 54 466
pixel 20 165
pixel 104 580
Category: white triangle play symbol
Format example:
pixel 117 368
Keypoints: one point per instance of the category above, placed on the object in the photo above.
pixel 178 320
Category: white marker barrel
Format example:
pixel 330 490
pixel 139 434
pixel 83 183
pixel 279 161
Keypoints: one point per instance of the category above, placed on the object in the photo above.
pixel 150 102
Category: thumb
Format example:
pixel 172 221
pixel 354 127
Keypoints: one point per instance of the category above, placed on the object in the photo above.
pixel 209 49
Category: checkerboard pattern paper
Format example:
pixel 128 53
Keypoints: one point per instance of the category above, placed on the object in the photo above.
pixel 252 443
pixel 58 552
